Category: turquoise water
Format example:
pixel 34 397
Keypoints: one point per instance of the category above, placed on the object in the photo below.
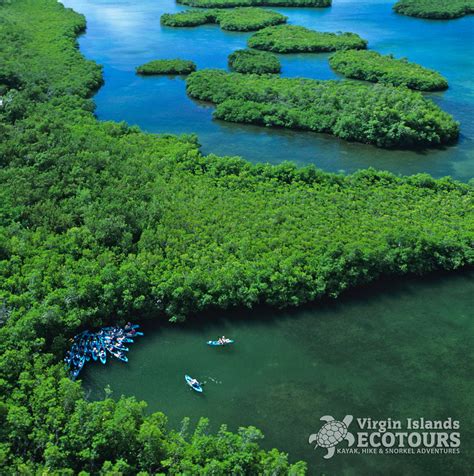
pixel 401 350
pixel 398 350
pixel 123 34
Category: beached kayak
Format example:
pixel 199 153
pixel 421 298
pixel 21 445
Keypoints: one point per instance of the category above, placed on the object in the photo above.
pixel 88 346
pixel 120 347
pixel 217 343
pixel 119 355
pixel 194 386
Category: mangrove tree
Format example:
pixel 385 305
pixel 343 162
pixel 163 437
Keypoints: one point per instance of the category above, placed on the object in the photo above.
pixel 252 61
pixel 377 68
pixel 298 39
pixel 382 115
pixel 237 19
pixel 167 66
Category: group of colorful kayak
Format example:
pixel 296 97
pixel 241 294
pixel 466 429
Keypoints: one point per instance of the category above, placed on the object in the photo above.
pixel 95 345
pixel 192 382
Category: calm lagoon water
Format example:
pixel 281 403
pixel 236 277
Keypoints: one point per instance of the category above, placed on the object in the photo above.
pixel 123 34
pixel 400 350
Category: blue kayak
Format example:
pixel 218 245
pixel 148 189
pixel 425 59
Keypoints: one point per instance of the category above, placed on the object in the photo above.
pixel 194 386
pixel 217 343
pixel 119 356
pixel 102 356
pixel 120 346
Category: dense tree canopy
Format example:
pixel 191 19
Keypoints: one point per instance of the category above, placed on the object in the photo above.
pixel 377 68
pixel 435 9
pixel 56 162
pixel 167 66
pixel 381 115
pixel 298 39
pixel 252 61
pixel 189 18
pixel 99 222
pixel 254 3
pixel 236 19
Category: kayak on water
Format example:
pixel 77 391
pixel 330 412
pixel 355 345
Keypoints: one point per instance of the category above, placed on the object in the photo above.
pixel 117 354
pixel 218 343
pixel 94 346
pixel 193 384
pixel 87 350
pixel 119 346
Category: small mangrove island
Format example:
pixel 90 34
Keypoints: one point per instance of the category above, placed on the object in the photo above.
pixel 252 61
pixel 298 39
pixel 238 19
pixel 255 3
pixel 166 66
pixel 435 9
pixel 376 68
pixel 382 115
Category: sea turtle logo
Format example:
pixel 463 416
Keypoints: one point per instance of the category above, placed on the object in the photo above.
pixel 332 433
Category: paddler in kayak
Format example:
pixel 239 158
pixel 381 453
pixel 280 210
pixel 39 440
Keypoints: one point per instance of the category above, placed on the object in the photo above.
pixel 223 340
pixel 194 382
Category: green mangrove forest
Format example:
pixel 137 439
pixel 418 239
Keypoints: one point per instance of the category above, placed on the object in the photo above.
pixel 238 19
pixel 298 39
pixel 374 67
pixel 63 175
pixel 100 222
pixel 382 115
pixel 253 61
pixel 435 9
pixel 254 3
pixel 167 66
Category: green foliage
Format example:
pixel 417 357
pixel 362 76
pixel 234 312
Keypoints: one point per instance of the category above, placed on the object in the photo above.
pixel 52 429
pixel 254 3
pixel 189 18
pixel 374 67
pixel 249 19
pixel 252 61
pixel 61 160
pixel 167 66
pixel 435 9
pixel 83 76
pixel 100 222
pixel 298 39
pixel 381 115
pixel 238 19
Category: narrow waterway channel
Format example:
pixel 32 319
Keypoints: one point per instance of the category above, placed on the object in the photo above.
pixel 399 350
